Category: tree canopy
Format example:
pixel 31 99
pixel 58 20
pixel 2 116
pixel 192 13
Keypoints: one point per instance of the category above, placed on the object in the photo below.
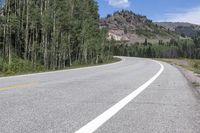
pixel 53 33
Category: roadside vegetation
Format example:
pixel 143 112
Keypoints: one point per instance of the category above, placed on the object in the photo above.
pixel 190 69
pixel 43 35
pixel 20 66
pixel 189 64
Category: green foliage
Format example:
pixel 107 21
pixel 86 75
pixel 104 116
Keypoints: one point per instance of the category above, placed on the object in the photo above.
pixel 173 49
pixel 196 65
pixel 1 64
pixel 18 66
pixel 53 33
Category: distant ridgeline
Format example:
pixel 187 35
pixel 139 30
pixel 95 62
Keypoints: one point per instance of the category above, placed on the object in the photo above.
pixel 183 29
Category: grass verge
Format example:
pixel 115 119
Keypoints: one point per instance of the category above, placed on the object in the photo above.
pixel 19 67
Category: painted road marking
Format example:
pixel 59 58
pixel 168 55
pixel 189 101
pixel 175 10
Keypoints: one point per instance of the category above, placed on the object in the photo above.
pixel 101 119
pixel 18 86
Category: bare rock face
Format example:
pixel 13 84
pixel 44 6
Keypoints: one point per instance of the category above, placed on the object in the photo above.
pixel 118 35
pixel 128 26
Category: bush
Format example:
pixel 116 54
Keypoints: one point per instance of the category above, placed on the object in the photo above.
pixel 1 64
pixel 196 65
pixel 18 66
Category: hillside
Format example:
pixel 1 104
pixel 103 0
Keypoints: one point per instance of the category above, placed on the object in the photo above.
pixel 128 26
pixel 184 29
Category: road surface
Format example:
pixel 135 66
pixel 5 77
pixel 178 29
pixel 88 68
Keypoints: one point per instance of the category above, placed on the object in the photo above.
pixel 132 96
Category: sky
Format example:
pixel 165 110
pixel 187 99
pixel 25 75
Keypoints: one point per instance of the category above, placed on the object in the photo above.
pixel 156 10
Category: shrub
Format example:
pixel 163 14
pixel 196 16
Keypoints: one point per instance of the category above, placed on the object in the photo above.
pixel 18 66
pixel 1 64
pixel 196 65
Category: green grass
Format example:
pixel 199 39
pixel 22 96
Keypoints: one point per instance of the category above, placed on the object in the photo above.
pixel 195 65
pixel 19 66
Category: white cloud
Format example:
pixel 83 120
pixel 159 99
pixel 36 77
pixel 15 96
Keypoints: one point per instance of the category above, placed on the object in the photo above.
pixel 190 16
pixel 119 3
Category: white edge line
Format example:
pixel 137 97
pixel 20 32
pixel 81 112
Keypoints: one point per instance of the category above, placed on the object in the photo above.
pixel 101 119
pixel 74 69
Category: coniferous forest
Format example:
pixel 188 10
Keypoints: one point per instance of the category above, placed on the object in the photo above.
pixel 181 48
pixel 50 35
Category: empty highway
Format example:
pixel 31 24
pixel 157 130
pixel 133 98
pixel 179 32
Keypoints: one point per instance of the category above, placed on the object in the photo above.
pixel 134 95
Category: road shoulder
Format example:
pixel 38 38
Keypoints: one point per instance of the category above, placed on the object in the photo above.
pixel 185 68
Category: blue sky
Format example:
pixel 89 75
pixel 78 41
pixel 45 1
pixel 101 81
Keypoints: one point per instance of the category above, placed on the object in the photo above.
pixel 157 10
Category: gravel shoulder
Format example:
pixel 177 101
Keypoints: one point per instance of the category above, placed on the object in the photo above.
pixel 188 70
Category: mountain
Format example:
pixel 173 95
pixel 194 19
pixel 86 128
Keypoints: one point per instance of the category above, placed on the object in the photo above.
pixel 184 29
pixel 127 26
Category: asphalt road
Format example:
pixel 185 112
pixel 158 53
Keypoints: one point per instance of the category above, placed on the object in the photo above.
pixel 149 98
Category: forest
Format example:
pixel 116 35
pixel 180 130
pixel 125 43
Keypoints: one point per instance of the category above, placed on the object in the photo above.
pixel 50 34
pixel 181 48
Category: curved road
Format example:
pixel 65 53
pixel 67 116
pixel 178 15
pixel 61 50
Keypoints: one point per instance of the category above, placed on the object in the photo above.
pixel 134 95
